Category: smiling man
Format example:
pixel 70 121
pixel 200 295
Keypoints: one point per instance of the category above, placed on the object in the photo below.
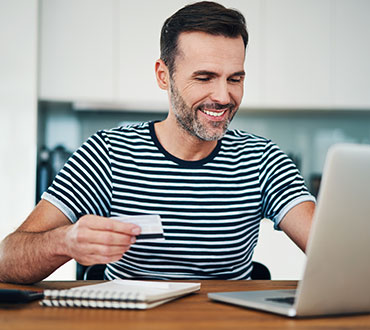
pixel 210 185
pixel 205 90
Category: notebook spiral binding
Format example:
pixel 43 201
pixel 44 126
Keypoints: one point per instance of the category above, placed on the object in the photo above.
pixel 94 299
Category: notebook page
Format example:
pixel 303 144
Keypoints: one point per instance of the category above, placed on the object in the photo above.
pixel 127 289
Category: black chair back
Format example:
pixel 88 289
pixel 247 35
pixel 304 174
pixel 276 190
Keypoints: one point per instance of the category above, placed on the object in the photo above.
pixel 96 272
pixel 260 272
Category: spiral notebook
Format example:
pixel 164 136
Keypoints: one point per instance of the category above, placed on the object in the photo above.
pixel 119 294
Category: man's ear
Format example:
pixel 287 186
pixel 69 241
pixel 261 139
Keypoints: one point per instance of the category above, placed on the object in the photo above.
pixel 162 74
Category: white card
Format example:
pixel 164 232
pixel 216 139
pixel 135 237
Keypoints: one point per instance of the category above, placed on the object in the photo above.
pixel 151 226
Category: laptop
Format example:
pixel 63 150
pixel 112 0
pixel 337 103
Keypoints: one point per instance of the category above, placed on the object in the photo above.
pixel 336 278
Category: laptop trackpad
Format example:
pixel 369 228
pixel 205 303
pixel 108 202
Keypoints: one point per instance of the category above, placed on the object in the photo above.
pixel 267 296
pixel 283 300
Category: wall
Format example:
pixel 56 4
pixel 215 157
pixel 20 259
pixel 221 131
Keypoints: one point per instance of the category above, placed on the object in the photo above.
pixel 18 110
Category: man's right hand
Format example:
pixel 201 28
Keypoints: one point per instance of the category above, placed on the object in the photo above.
pixel 98 240
pixel 47 240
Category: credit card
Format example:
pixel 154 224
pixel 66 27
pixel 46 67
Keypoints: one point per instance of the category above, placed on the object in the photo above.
pixel 151 226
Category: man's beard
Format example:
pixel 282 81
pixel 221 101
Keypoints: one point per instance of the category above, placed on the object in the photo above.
pixel 188 118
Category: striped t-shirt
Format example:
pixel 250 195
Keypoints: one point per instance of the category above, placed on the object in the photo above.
pixel 210 209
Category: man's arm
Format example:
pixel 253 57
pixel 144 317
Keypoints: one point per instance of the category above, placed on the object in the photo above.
pixel 47 239
pixel 297 223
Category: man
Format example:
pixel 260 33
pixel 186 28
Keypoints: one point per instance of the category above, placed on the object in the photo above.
pixel 210 185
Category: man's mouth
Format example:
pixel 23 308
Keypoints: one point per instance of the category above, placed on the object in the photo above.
pixel 216 110
pixel 213 113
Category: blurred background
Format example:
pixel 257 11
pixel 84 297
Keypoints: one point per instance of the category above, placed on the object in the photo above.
pixel 71 67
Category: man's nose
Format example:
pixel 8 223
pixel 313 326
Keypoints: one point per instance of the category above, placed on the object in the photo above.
pixel 221 93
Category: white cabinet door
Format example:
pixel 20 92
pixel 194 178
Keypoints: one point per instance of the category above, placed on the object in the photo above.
pixel 139 49
pixel 301 54
pixel 252 11
pixel 77 50
pixel 140 26
pixel 296 54
pixel 18 111
pixel 351 49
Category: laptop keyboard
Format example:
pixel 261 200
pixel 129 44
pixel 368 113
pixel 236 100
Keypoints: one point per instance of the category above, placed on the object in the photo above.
pixel 283 300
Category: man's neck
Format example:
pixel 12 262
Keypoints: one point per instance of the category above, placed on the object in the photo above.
pixel 180 143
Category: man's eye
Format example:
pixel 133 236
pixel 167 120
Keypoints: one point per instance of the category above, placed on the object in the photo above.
pixel 202 78
pixel 235 80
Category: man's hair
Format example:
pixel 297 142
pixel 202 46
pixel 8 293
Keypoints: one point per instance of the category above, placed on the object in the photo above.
pixel 205 16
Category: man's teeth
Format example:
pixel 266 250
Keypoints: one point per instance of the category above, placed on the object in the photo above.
pixel 215 114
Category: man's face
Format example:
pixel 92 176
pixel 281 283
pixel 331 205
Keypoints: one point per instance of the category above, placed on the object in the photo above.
pixel 207 86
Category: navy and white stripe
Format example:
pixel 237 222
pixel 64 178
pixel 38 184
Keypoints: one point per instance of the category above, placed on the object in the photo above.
pixel 211 209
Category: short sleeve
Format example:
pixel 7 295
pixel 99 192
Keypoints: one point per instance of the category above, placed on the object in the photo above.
pixel 282 186
pixel 84 184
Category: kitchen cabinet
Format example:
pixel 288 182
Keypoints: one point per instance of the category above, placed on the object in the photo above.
pixel 315 54
pixel 297 54
pixel 18 111
pixel 103 51
pixel 253 12
pixel 77 50
pixel 301 55
pixel 139 31
pixel 139 49
pixel 351 54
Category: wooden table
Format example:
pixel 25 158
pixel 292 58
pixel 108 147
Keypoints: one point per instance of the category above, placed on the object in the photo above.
pixel 192 312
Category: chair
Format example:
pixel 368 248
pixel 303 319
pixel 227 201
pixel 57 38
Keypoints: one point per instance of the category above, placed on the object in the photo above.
pixel 96 272
pixel 93 272
pixel 260 272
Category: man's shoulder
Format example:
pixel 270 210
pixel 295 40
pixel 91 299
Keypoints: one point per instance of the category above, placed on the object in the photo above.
pixel 130 131
pixel 239 137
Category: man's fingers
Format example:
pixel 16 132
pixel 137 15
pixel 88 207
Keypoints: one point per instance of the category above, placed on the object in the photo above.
pixel 99 253
pixel 95 239
pixel 94 259
pixel 111 238
pixel 109 224
pixel 106 250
